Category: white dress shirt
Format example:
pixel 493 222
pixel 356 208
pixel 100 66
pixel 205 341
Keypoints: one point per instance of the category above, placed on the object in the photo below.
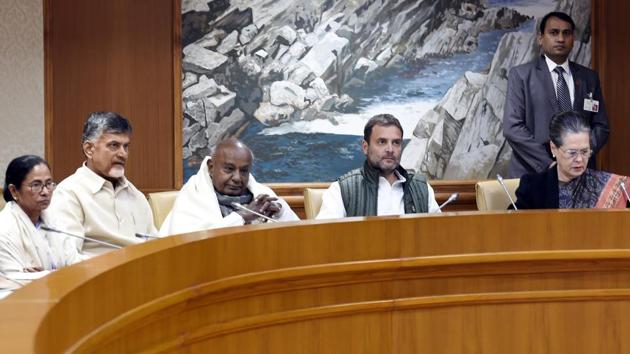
pixel 390 199
pixel 86 204
pixel 568 77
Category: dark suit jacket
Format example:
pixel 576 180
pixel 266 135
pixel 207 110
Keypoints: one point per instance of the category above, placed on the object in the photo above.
pixel 538 190
pixel 530 104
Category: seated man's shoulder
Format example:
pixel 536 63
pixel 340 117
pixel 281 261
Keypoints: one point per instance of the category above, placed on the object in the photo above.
pixel 413 175
pixel 133 189
pixel 70 183
pixel 350 174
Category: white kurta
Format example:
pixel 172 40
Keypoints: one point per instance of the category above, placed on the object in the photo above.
pixel 197 207
pixel 86 204
pixel 22 245
pixel 389 202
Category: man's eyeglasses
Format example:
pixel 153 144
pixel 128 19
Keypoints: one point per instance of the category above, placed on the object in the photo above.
pixel 573 153
pixel 37 186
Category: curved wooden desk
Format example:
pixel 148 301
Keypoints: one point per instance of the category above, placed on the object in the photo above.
pixel 521 282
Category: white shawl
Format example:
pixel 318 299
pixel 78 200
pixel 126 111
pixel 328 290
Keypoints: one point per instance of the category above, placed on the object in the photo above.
pixel 22 245
pixel 197 208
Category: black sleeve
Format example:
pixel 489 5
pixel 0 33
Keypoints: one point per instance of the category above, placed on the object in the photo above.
pixel 524 193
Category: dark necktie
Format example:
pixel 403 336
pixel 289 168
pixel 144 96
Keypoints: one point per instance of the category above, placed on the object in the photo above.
pixel 562 89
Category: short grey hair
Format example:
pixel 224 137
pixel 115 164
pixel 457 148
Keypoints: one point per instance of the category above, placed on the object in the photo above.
pixel 99 123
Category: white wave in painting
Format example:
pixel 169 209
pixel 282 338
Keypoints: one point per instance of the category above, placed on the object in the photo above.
pixel 537 9
pixel 409 113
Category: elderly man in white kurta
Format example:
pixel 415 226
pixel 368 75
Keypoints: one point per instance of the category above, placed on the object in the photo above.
pixel 207 200
pixel 97 201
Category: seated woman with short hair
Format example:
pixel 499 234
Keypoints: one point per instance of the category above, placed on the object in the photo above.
pixel 569 183
pixel 24 247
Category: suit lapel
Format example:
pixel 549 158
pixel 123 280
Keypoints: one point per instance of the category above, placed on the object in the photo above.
pixel 544 77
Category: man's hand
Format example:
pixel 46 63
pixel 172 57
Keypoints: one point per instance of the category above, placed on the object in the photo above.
pixel 262 204
pixel 33 269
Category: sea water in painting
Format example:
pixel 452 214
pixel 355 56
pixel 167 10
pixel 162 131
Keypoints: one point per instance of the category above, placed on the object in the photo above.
pixel 296 80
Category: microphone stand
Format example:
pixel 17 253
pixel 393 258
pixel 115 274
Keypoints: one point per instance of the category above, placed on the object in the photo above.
pixel 145 236
pixel 500 179
pixel 625 191
pixel 240 206
pixel 47 228
pixel 453 197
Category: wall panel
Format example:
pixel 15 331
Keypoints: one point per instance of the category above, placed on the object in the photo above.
pixel 113 55
pixel 612 49
pixel 22 83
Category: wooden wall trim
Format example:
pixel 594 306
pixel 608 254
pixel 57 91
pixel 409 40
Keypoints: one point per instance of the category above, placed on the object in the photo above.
pixel 178 170
pixel 48 83
pixel 293 193
pixel 598 55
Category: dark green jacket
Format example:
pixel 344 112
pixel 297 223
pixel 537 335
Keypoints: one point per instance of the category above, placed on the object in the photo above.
pixel 359 191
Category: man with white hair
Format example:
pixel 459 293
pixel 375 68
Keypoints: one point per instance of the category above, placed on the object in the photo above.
pixel 209 199
pixel 97 201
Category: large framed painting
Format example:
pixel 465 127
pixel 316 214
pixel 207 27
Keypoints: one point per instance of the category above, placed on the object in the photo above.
pixel 296 80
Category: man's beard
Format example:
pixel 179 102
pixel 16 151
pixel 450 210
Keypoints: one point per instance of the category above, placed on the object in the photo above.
pixel 380 166
pixel 117 171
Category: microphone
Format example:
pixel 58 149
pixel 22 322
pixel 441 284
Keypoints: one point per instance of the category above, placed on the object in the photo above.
pixel 625 191
pixel 145 236
pixel 240 206
pixel 500 179
pixel 453 197
pixel 48 228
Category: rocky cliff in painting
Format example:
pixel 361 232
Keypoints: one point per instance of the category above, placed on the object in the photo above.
pixel 461 138
pixel 278 61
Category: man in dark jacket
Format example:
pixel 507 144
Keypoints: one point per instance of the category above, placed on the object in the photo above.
pixel 381 186
pixel 543 87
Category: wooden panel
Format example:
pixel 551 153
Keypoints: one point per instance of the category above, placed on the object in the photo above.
pixel 456 282
pixel 114 55
pixel 611 50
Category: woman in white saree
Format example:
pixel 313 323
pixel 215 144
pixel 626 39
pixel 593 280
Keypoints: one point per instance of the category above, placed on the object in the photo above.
pixel 24 246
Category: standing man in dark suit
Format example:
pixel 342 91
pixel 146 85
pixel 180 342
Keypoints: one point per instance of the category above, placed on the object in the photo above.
pixel 543 87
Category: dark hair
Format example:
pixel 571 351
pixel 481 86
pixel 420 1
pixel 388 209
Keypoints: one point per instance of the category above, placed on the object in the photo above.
pixel 17 170
pixel 567 122
pixel 384 120
pixel 104 122
pixel 561 15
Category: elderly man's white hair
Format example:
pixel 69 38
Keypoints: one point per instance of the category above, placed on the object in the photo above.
pixel 229 143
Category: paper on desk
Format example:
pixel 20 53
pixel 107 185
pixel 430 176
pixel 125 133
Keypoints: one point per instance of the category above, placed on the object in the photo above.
pixel 28 276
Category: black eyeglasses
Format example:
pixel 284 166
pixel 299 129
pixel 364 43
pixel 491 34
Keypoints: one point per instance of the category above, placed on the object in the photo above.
pixel 37 186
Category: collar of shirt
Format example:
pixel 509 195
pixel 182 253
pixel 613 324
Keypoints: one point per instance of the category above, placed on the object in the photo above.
pixel 95 183
pixel 400 180
pixel 551 65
